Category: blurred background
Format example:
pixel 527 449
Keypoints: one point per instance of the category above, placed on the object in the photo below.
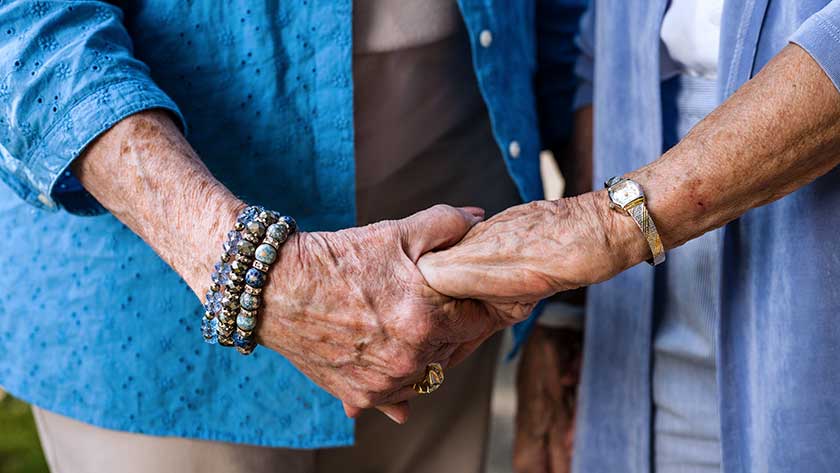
pixel 20 451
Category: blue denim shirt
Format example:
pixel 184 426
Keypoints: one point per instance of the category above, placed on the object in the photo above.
pixel 778 334
pixel 93 325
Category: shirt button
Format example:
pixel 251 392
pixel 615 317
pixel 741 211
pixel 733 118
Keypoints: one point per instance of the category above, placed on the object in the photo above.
pixel 513 149
pixel 46 201
pixel 485 38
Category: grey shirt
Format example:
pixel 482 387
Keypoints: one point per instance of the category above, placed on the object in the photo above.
pixel 686 421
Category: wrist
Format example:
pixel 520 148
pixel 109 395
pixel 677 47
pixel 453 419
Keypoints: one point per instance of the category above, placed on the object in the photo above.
pixel 201 246
pixel 621 237
pixel 284 296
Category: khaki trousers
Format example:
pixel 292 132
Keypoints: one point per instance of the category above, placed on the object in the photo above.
pixel 447 432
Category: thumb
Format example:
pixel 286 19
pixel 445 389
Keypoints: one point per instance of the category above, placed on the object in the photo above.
pixel 396 412
pixel 437 227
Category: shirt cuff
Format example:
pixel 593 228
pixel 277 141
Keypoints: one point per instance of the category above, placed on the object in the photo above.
pixel 48 162
pixel 820 37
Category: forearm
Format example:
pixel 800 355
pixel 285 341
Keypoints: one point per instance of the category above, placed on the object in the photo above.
pixel 776 134
pixel 779 132
pixel 146 174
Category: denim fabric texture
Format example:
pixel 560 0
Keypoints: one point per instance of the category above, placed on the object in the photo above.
pixel 93 324
pixel 777 337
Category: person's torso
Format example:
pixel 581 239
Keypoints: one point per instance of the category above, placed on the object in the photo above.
pixel 777 329
pixel 422 133
pixel 108 334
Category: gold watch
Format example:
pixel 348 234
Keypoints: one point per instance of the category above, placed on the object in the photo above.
pixel 627 196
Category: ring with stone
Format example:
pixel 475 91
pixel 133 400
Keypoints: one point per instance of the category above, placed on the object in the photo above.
pixel 432 380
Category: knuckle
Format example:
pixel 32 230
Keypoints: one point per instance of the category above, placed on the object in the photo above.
pixel 421 333
pixel 352 399
pixel 368 400
pixel 404 366
pixel 445 213
pixel 420 326
pixel 383 386
pixel 415 329
pixel 443 209
pixel 361 399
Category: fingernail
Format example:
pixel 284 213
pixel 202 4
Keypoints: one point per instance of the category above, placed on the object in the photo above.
pixel 394 418
pixel 476 213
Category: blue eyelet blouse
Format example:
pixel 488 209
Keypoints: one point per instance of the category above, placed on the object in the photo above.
pixel 93 325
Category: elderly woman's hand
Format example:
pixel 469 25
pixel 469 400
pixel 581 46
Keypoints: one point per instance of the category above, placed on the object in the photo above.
pixel 351 310
pixel 532 251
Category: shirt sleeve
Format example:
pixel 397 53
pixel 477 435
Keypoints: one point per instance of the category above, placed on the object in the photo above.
pixel 557 25
pixel 67 74
pixel 585 65
pixel 819 35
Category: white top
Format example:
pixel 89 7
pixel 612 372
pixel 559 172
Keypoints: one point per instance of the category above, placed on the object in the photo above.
pixel 691 38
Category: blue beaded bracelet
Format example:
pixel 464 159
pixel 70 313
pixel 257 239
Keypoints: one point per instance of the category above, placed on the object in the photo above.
pixel 222 298
pixel 278 229
pixel 232 302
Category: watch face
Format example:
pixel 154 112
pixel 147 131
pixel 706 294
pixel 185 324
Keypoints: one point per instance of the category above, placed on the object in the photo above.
pixel 624 192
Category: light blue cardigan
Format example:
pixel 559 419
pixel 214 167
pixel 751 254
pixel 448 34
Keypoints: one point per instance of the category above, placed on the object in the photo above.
pixel 779 333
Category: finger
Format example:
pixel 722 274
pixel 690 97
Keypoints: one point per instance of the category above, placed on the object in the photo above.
pixel 447 274
pixel 351 411
pixel 466 349
pixel 474 211
pixel 465 321
pixel 437 227
pixel 396 412
pixel 401 396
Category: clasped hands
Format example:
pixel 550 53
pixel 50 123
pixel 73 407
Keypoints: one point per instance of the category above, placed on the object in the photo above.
pixel 363 311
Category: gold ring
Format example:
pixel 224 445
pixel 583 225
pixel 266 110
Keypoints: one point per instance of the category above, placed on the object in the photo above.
pixel 432 380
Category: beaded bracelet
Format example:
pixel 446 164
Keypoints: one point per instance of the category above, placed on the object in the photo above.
pixel 277 230
pixel 222 298
pixel 238 279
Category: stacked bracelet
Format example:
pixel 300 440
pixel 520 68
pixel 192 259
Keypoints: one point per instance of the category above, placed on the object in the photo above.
pixel 234 298
pixel 277 230
pixel 222 297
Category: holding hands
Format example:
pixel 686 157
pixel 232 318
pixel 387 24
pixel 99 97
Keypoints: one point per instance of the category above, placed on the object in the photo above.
pixel 369 308
pixel 357 316
pixel 362 311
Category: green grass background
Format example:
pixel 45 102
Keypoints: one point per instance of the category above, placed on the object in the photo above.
pixel 20 450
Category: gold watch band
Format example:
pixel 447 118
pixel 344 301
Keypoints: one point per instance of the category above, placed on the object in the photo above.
pixel 640 215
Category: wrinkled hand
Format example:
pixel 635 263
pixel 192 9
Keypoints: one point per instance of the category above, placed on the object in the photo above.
pixel 546 388
pixel 351 310
pixel 530 252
